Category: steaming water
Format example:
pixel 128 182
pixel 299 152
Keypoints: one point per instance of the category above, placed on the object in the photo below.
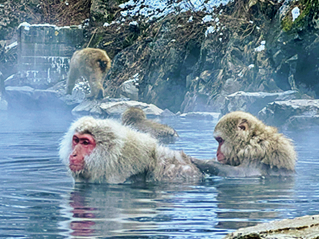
pixel 38 198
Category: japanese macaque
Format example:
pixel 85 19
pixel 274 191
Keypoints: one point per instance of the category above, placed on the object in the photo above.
pixel 105 151
pixel 248 148
pixel 92 64
pixel 136 118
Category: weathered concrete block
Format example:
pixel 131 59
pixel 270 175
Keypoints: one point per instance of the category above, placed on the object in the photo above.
pixel 44 53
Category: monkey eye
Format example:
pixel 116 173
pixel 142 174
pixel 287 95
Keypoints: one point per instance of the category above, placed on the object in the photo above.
pixel 76 140
pixel 86 142
pixel 219 140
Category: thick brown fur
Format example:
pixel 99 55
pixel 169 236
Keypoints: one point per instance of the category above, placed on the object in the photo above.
pixel 92 64
pixel 125 155
pixel 136 118
pixel 251 148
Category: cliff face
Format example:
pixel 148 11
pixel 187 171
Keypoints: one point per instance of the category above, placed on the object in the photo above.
pixel 188 57
pixel 190 61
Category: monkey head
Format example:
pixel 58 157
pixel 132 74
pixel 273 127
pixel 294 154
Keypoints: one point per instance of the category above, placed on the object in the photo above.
pixel 241 136
pixel 82 145
pixel 86 143
pixel 133 115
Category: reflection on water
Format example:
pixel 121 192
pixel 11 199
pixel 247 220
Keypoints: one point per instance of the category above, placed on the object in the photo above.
pixel 38 199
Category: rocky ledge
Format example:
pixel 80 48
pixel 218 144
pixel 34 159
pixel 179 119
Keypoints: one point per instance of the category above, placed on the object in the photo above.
pixel 301 227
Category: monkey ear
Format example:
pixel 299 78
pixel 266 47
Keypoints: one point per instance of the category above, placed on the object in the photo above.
pixel 243 126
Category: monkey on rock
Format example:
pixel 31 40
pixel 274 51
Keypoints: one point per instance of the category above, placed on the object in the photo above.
pixel 92 64
pixel 247 147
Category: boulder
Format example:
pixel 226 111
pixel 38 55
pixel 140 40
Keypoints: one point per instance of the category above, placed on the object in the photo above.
pixel 302 122
pixel 113 107
pixel 117 108
pixel 301 227
pixel 89 107
pixel 25 97
pixel 201 115
pixel 128 89
pixel 291 114
pixel 253 102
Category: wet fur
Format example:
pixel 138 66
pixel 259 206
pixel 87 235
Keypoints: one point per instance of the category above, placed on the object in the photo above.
pixel 124 155
pixel 136 118
pixel 258 150
pixel 92 64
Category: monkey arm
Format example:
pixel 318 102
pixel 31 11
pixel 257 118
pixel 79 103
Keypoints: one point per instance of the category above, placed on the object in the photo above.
pixel 212 167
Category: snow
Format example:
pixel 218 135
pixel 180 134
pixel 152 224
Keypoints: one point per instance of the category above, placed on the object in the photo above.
pixel 159 8
pixel 11 45
pixel 295 13
pixel 134 23
pixel 207 18
pixel 210 30
pixel 261 47
pixel 27 26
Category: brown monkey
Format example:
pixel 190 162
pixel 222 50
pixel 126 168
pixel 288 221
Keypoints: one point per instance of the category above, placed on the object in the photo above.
pixel 247 147
pixel 97 150
pixel 136 118
pixel 92 64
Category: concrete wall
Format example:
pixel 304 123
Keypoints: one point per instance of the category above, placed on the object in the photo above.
pixel 44 53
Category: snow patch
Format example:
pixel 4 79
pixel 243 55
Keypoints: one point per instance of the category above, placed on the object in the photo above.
pixel 155 9
pixel 207 18
pixel 295 13
pixel 261 47
pixel 210 30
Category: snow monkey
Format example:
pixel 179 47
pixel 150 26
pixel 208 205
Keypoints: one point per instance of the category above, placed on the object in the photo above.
pixel 105 151
pixel 92 64
pixel 247 148
pixel 136 118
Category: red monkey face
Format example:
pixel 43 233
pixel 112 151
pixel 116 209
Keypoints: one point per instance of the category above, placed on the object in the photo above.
pixel 82 145
pixel 220 156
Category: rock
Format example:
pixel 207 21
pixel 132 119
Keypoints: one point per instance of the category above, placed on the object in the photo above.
pixel 253 102
pixel 25 97
pixel 128 90
pixel 88 107
pixel 113 107
pixel 167 114
pixel 196 102
pixel 201 115
pixel 117 108
pixel 302 122
pixel 288 114
pixel 301 227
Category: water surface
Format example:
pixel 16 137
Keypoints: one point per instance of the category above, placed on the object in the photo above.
pixel 38 199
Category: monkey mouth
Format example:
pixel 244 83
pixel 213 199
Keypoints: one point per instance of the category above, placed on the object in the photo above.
pixel 221 159
pixel 75 167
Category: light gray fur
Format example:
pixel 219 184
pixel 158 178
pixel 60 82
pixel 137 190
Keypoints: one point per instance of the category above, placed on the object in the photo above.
pixel 125 155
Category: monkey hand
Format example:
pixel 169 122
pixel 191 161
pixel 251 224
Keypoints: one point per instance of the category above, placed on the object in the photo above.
pixel 210 167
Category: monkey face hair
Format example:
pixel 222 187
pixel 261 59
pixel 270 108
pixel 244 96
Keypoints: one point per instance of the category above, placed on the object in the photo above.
pixel 247 138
